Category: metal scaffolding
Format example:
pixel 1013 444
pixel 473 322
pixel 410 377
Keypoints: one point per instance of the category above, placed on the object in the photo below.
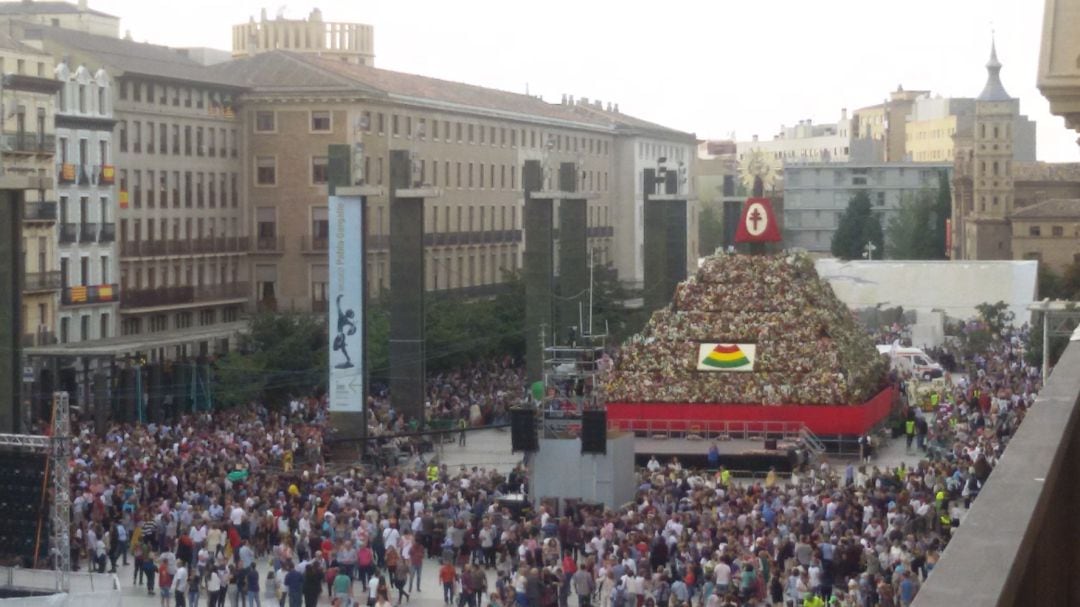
pixel 61 503
pixel 58 448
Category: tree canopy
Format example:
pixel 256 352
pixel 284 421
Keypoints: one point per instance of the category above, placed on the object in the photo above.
pixel 918 230
pixel 858 226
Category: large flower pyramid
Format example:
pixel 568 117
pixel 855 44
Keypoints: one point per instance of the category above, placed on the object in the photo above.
pixel 808 347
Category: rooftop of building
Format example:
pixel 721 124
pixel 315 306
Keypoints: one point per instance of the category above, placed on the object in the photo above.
pixel 36 7
pixel 10 43
pixel 1046 171
pixel 868 165
pixel 1059 208
pixel 123 56
pixel 288 72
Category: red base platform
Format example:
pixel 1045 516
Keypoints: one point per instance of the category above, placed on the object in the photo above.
pixel 823 420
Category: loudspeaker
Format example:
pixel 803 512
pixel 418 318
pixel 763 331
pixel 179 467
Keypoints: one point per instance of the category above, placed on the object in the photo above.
pixel 770 444
pixel 523 430
pixel 594 431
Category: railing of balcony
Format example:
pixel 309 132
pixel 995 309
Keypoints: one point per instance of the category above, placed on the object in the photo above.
pixel 314 244
pixel 88 232
pixel 28 143
pixel 152 248
pixel 69 232
pixel 174 296
pixel 41 338
pixel 90 294
pixel 269 244
pixel 107 233
pixel 41 281
pixel 40 211
pixel 105 174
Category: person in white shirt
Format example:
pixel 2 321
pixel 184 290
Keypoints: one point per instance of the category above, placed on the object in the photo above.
pixel 213 587
pixel 180 586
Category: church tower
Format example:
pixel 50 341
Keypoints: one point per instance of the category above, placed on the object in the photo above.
pixel 987 234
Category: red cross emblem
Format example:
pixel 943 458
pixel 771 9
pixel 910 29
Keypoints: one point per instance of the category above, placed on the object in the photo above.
pixel 758 222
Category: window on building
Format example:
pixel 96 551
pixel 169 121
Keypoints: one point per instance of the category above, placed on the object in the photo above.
pixel 394 125
pixel 320 121
pixel 266 222
pixel 175 139
pixel 1057 231
pixel 319 170
pixel 123 136
pixel 1034 231
pixel 266 284
pixel 265 170
pixel 320 223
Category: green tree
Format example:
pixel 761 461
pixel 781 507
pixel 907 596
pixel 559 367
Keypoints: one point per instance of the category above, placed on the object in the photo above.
pixel 942 214
pixel 858 226
pixel 710 230
pixel 280 355
pixel 995 315
pixel 913 231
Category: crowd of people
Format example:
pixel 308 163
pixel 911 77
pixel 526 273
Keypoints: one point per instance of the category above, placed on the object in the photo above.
pixel 239 506
pixel 809 348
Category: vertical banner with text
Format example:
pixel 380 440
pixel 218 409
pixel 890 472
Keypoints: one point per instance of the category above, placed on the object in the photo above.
pixel 346 301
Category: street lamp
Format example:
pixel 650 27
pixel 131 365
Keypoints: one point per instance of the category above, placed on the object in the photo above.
pixel 868 251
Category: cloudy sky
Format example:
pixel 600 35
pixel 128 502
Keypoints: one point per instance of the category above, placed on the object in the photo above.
pixel 710 67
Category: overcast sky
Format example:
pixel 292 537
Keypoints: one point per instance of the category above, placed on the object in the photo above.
pixel 709 67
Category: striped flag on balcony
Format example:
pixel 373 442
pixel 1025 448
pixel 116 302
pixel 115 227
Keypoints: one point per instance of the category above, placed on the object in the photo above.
pixel 78 294
pixel 123 199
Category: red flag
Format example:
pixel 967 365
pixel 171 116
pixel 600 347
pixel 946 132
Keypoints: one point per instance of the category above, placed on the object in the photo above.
pixel 758 222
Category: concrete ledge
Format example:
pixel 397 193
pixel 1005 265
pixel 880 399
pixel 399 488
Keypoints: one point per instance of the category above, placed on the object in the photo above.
pixel 1018 544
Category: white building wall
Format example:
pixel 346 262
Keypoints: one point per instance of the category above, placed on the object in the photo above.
pixel 102 258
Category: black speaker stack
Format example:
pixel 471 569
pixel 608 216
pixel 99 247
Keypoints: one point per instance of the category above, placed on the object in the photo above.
pixel 523 435
pixel 594 431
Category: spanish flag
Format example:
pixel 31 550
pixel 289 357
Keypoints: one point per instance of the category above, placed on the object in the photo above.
pixel 726 357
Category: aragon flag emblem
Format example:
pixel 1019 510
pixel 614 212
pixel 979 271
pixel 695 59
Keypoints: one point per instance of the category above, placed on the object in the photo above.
pixel 726 357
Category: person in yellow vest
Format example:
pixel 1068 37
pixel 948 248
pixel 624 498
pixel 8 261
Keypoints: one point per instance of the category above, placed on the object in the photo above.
pixel 935 399
pixel 909 429
pixel 813 600
pixel 286 461
pixel 433 473
pixel 725 477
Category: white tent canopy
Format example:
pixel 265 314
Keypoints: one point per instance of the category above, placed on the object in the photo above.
pixel 951 287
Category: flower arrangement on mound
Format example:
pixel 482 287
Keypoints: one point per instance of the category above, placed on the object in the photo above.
pixel 809 347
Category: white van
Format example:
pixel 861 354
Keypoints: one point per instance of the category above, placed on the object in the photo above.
pixel 912 360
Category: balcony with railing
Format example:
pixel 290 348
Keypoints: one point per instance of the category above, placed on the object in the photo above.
pixel 82 295
pixel 320 306
pixel 181 296
pixel 41 338
pixel 157 248
pixel 66 173
pixel 314 244
pixel 106 174
pixel 69 233
pixel 28 143
pixel 41 281
pixel 107 233
pixel 269 244
pixel 88 232
pixel 40 211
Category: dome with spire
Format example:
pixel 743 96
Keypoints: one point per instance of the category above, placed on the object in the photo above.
pixel 994 90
